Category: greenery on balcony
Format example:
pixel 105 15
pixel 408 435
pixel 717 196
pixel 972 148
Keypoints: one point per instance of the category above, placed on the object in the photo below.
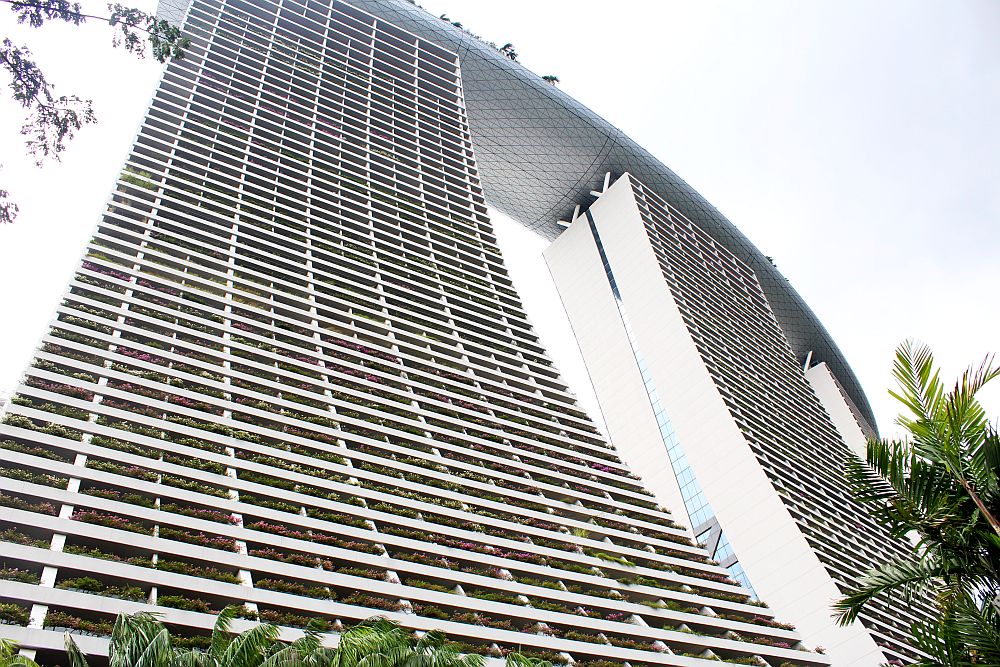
pixel 283 464
pixel 362 599
pixel 493 595
pixel 140 499
pixel 98 587
pixel 108 520
pixel 315 536
pixel 61 388
pixel 569 566
pixel 201 571
pixel 428 585
pixel 337 517
pixel 13 614
pixel 554 584
pixel 367 573
pixel 44 427
pixel 137 389
pixel 453 522
pixel 195 462
pixel 285 618
pixel 584 636
pixel 390 508
pixel 123 469
pixel 610 558
pixel 629 642
pixel 203 513
pixel 198 538
pixel 551 605
pixel 194 485
pixel 756 620
pixel 296 588
pixel 294 558
pixel 270 503
pixel 33 477
pixel 185 603
pixel 56 619
pixel 196 443
pixel 213 427
pixel 21 503
pixel 21 576
pixel 37 450
pixel 70 353
pixel 93 552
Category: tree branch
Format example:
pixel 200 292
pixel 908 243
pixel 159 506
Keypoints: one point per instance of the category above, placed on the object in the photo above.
pixel 165 39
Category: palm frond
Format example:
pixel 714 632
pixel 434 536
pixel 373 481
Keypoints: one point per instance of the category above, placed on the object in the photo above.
pixel 312 636
pixel 9 655
pixel 287 656
pixel 920 384
pixel 250 648
pixel 903 576
pixel 139 640
pixel 904 489
pixel 979 627
pixel 74 655
pixel 431 639
pixel 942 643
pixel 305 651
pixel 988 477
pixel 222 633
pixel 521 660
pixel 370 640
pixel 8 649
pixel 866 483
pixel 192 658
pixel 967 635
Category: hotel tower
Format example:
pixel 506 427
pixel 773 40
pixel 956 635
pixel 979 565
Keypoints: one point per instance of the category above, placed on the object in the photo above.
pixel 291 374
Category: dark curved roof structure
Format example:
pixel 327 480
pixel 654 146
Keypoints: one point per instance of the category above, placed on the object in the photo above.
pixel 540 152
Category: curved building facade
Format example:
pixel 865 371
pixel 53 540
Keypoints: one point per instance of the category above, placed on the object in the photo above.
pixel 540 153
pixel 291 373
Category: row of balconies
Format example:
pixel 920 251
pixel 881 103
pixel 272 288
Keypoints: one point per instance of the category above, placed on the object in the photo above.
pixel 192 600
pixel 285 276
pixel 160 359
pixel 318 164
pixel 202 461
pixel 279 482
pixel 365 453
pixel 91 295
pixel 457 162
pixel 372 463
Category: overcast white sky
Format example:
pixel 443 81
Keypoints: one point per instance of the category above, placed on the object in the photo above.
pixel 856 142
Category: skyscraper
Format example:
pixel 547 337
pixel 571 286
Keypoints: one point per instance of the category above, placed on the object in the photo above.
pixel 291 374
pixel 701 390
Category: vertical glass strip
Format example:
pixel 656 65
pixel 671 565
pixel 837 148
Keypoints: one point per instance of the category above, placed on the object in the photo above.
pixel 703 519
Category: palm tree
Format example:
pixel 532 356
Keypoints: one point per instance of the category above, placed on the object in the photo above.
pixel 379 642
pixel 250 648
pixel 943 484
pixel 137 640
pixel 521 660
pixel 141 640
pixel 509 51
pixel 10 658
pixel 306 651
